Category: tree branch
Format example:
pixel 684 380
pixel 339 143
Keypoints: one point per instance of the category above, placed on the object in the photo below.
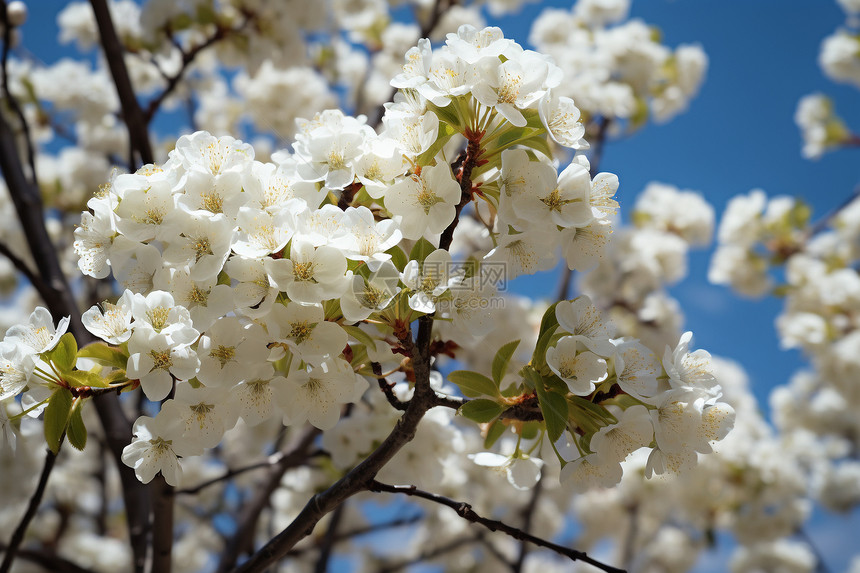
pixel 425 556
pixel 162 525
pixel 61 302
pixel 13 102
pixel 49 561
pixel 387 388
pixel 356 480
pixel 187 58
pixel 32 507
pixel 132 113
pixel 270 461
pixel 528 514
pixel 246 524
pixel 43 289
pixel 465 511
pixel 329 540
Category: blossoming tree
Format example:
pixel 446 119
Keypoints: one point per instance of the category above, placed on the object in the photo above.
pixel 239 349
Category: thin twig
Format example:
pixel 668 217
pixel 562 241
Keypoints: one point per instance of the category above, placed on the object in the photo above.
pixel 465 511
pixel 528 515
pixel 270 461
pixel 822 223
pixel 41 287
pixel 356 480
pixel 61 302
pixel 49 561
pixel 246 523
pixel 138 135
pixel 13 102
pixel 329 539
pixel 188 56
pixel 387 388
pixel 630 542
pixel 32 507
pixel 430 554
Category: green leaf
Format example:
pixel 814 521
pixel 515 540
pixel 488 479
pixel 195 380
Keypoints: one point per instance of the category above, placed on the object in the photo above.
pixel 80 378
pixel 447 114
pixel 555 412
pixel 538 360
pixel 116 377
pixel 64 353
pixel 398 257
pixel 57 418
pixel 481 410
pixel 494 432
pixel 472 384
pixel 101 353
pixel 77 432
pixel 360 335
pixel 502 359
pixel 530 430
pixel 421 249
pixel 538 143
pixel 548 320
pixel 445 133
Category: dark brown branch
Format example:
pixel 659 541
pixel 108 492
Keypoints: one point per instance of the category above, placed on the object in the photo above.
pixel 61 302
pixel 132 113
pixel 465 511
pixel 387 388
pixel 359 531
pixel 188 56
pixel 162 525
pixel 49 561
pixel 13 102
pixel 822 223
pixel 43 289
pixel 469 162
pixel 430 554
pixel 356 480
pixel 32 507
pixel 528 516
pixel 243 540
pixel 270 461
pixel 329 540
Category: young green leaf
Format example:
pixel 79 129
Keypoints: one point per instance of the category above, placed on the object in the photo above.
pixel 481 410
pixel 64 353
pixel 103 354
pixel 502 359
pixel 472 384
pixel 360 335
pixel 398 257
pixel 422 248
pixel 80 378
pixel 494 432
pixel 57 417
pixel 555 411
pixel 77 432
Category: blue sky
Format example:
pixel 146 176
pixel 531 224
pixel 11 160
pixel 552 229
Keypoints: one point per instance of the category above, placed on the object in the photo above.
pixel 738 135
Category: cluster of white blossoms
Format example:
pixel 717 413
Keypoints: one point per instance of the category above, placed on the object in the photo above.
pixel 645 258
pixel 754 234
pixel 616 68
pixel 820 128
pixel 821 291
pixel 256 290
